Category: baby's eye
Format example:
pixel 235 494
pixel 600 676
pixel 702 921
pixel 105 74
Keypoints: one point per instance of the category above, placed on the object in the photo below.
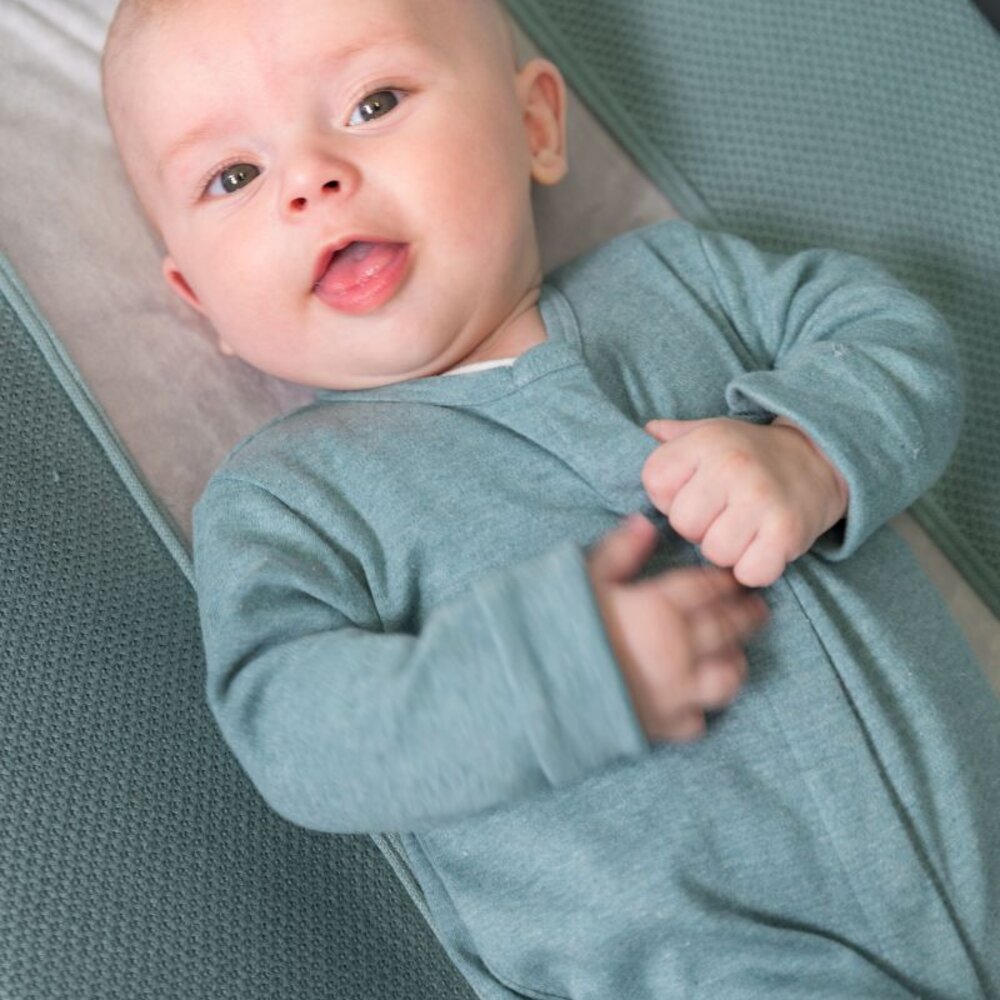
pixel 375 105
pixel 231 178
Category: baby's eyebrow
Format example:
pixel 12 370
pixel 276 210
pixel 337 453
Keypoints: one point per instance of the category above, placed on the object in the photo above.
pixel 356 48
pixel 205 129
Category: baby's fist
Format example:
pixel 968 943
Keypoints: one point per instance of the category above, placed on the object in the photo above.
pixel 752 497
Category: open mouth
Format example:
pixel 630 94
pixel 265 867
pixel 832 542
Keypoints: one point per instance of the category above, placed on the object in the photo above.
pixel 360 275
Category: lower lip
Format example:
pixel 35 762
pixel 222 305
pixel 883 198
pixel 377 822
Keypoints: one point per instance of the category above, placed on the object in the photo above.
pixel 375 290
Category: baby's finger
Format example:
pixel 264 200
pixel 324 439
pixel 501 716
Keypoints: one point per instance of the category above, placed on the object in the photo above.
pixel 671 430
pixel 729 536
pixel 622 553
pixel 726 623
pixel 762 563
pixel 694 587
pixel 666 470
pixel 685 727
pixel 696 506
pixel 719 679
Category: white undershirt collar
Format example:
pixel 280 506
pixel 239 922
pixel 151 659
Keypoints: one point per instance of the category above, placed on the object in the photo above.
pixel 479 366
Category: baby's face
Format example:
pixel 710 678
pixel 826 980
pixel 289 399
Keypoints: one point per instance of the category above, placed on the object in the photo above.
pixel 262 136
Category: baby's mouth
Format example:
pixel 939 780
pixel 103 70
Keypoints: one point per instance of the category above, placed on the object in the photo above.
pixel 361 275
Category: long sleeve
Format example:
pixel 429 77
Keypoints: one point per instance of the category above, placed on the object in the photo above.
pixel 867 369
pixel 507 690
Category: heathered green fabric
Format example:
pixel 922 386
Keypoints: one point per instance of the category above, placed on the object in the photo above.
pixel 869 125
pixel 401 636
pixel 136 862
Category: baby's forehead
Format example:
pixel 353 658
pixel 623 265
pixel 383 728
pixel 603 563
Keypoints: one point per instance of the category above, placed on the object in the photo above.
pixel 477 26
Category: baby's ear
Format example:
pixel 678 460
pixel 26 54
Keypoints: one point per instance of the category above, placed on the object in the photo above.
pixel 543 97
pixel 178 284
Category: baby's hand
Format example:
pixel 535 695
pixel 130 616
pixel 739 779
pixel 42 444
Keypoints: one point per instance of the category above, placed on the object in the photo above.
pixel 677 637
pixel 753 497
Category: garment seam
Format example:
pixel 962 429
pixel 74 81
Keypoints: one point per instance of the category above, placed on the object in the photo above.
pixel 873 929
pixel 873 924
pixel 751 363
pixel 906 823
pixel 529 991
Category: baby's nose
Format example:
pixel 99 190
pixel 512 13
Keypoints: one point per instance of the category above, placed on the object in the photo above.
pixel 298 203
pixel 313 180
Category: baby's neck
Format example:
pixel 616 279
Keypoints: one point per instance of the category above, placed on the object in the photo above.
pixel 519 334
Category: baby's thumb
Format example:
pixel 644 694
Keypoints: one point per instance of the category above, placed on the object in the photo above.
pixel 621 553
pixel 669 430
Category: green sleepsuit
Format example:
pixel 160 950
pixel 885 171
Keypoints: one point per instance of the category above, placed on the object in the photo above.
pixel 401 637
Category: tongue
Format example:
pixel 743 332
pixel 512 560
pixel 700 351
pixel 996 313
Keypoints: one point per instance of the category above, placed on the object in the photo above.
pixel 357 263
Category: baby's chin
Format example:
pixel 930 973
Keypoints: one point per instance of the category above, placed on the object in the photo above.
pixel 341 381
pixel 362 352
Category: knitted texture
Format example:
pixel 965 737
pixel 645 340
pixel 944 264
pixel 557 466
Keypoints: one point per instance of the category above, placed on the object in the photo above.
pixel 872 127
pixel 135 859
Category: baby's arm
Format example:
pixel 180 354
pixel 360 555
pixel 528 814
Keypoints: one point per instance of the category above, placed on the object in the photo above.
pixel 348 724
pixel 839 351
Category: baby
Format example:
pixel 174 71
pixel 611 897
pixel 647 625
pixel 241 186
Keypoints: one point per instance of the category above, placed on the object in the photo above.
pixel 422 609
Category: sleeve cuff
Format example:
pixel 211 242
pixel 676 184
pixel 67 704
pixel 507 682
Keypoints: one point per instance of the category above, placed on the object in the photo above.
pixel 567 685
pixel 758 396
